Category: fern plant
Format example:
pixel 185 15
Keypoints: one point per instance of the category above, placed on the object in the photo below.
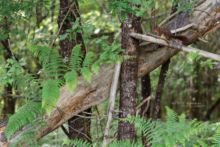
pixel 175 131
pixel 42 94
pixel 25 115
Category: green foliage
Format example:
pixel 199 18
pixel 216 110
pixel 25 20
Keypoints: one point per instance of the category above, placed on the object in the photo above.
pixel 185 6
pixel 176 131
pixel 50 94
pixel 125 143
pixel 26 114
pixel 77 142
pixel 75 65
pixel 136 7
pixel 50 60
pixel 86 68
pixel 71 79
pixel 76 58
pixel 28 86
pixel 26 139
pixel 216 138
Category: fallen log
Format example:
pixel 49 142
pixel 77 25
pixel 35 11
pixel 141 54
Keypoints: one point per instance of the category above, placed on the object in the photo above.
pixel 204 18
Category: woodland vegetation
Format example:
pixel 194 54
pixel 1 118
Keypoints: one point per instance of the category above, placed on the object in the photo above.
pixel 128 73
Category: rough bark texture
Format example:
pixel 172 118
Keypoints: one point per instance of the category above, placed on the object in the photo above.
pixel 87 95
pixel 145 108
pixel 128 77
pixel 145 93
pixel 69 12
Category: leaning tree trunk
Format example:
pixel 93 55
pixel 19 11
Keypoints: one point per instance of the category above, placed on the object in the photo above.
pixel 69 12
pixel 128 77
pixel 8 101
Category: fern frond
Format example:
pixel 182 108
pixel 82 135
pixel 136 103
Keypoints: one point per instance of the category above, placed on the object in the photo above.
pixel 50 94
pixel 171 116
pixel 26 139
pixel 54 68
pixel 28 86
pixel 126 143
pixel 76 58
pixel 86 68
pixel 51 61
pixel 71 79
pixel 77 143
pixel 26 114
pixel 176 131
pixel 216 138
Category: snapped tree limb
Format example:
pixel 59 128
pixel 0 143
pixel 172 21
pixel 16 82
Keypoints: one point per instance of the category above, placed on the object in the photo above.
pixel 176 45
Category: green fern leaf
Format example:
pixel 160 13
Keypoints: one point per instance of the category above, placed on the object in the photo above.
pixel 50 94
pixel 87 74
pixel 26 114
pixel 76 58
pixel 85 71
pixel 71 79
pixel 77 143
pixel 96 67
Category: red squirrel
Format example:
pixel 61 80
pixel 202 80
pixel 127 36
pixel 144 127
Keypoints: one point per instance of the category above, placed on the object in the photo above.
pixel 166 34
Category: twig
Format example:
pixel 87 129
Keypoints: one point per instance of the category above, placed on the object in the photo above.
pixel 211 109
pixel 146 100
pixel 175 45
pixel 61 25
pixel 65 131
pixel 111 103
pixel 168 18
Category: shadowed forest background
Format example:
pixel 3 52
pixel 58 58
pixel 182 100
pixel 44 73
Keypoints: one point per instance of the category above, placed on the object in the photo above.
pixel 73 74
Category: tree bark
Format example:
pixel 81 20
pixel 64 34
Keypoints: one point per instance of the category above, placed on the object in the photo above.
pixel 79 128
pixel 159 91
pixel 128 77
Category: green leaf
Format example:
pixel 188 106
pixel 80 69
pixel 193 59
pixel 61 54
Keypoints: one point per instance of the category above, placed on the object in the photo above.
pixel 63 36
pixel 76 58
pixel 71 79
pixel 24 115
pixel 96 67
pixel 50 94
pixel 87 74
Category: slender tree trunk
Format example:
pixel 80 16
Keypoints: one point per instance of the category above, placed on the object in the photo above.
pixel 128 77
pixel 145 108
pixel 8 100
pixel 39 12
pixel 52 9
pixel 79 128
pixel 157 102
pixel 145 93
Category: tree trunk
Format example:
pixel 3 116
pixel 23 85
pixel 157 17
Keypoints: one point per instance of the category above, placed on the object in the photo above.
pixel 128 77
pixel 8 100
pixel 157 102
pixel 145 108
pixel 39 12
pixel 79 128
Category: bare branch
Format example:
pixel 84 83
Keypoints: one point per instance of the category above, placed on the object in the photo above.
pixel 176 45
pixel 111 103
